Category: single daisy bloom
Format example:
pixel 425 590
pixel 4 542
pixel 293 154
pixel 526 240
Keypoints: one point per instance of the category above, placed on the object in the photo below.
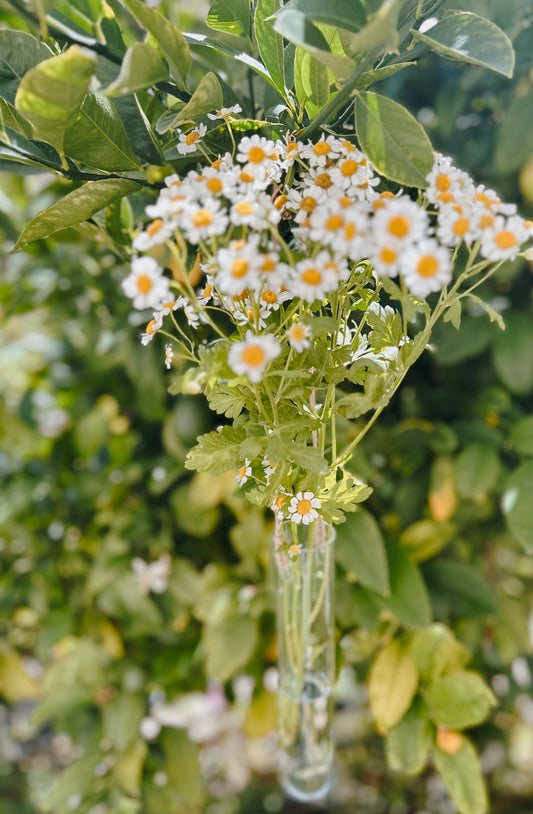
pixel 298 336
pixel 258 154
pixel 304 201
pixel 257 212
pixel 386 260
pixel 202 220
pixel 456 224
pixel 400 220
pixel 426 267
pixel 303 508
pixel 272 298
pixel 225 112
pixel 269 468
pixel 152 576
pixel 238 267
pixel 152 328
pixel 503 240
pixel 312 279
pixel 157 232
pixel 244 472
pixel 321 152
pixel 446 182
pixel 146 285
pixel 169 355
pixel 278 505
pixel 188 141
pixel 251 357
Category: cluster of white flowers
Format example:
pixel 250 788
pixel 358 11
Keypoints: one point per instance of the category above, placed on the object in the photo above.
pixel 280 227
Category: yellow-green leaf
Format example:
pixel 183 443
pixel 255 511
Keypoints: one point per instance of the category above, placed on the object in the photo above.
pixel 459 700
pixel 461 774
pixel 392 685
pixel 141 67
pixel 206 97
pixel 51 93
pixel 409 741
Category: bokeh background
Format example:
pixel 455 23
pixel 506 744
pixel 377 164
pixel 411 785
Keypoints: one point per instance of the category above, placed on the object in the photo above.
pixel 105 699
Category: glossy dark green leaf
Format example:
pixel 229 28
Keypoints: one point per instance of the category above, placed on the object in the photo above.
pixel 141 67
pixel 18 53
pixel 270 43
pixel 297 28
pixel 395 142
pixel 76 207
pixel 360 548
pixel 231 16
pixel 518 506
pixel 464 590
pixel 466 37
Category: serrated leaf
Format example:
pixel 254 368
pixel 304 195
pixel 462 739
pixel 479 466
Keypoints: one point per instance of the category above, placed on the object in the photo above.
pixel 173 44
pixel 228 402
pixel 231 16
pixel 141 67
pixel 394 141
pixel 269 42
pixel 308 458
pixel 76 207
pixel 50 94
pixel 459 700
pixel 466 37
pixel 453 314
pixel 408 743
pixel 217 451
pixel 98 137
pixel 19 52
pixel 392 684
pixel 360 548
pixel 461 774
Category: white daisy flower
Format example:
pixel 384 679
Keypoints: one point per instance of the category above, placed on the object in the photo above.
pixel 157 232
pixel 304 201
pixel 252 356
pixel 456 224
pixel 351 171
pixel 246 312
pixel 200 221
pixel 502 241
pixel 303 508
pixel 318 154
pixel 152 576
pixel 272 298
pixel 426 267
pixel 169 355
pixel 269 469
pixel 298 336
pixel 188 309
pixel 312 279
pixel 321 177
pixel 146 285
pixel 273 272
pixel 492 202
pixel 288 151
pixel 244 472
pixel 400 221
pixel 238 267
pixel 279 504
pixel 225 112
pixel 188 141
pixel 257 212
pixel 258 155
pixel 446 182
pixel 152 328
pixel 386 260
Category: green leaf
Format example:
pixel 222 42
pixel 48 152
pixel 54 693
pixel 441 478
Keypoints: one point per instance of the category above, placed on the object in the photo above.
pixel 121 718
pixel 360 548
pixel 408 600
pixel 350 16
pixel 226 401
pixel 75 207
pixel 50 95
pixel 76 779
pixel 307 458
pixel 182 767
pixel 371 77
pixel 270 43
pixel 201 41
pixel 392 684
pixel 12 120
pixel 173 44
pixel 513 353
pixel 128 768
pixel 229 646
pixel 459 700
pixel 517 505
pixel 297 28
pixel 19 52
pixel 206 97
pixel 514 136
pixel 98 137
pixel 380 33
pixel 231 16
pixel 408 743
pixel 466 592
pixel 436 650
pixel 477 468
pixel 461 774
pixel 141 67
pixel 395 142
pixel 217 451
pixel 466 37
pixel 521 436
pixel 311 81
pixel 453 314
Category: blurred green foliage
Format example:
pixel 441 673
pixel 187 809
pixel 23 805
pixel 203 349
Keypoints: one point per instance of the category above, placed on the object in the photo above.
pixel 92 476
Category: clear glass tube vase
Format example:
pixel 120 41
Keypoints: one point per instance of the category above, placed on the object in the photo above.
pixel 304 556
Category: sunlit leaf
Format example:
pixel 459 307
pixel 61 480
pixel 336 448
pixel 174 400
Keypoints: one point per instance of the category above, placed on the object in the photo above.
pixel 19 52
pixel 141 67
pixel 231 16
pixel 461 774
pixel 392 684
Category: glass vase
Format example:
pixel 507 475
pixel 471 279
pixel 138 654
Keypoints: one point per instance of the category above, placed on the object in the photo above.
pixel 304 556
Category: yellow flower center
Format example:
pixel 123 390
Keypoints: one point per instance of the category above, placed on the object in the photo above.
pixel 239 267
pixel 192 137
pixel 280 201
pixel 253 355
pixel 348 146
pixel 246 177
pixel 242 471
pixel 202 218
pixel 308 203
pixel 214 185
pixel 297 332
pixel 350 231
pixel 150 328
pixel 461 226
pixel 486 221
pixel 349 168
pixel 388 255
pixel 311 276
pixel 323 181
pixel 427 266
pixel 505 239
pixel 321 148
pixel 303 507
pixel 208 290
pixel 268 264
pixel 443 182
pixel 154 227
pixel 269 297
pixel 144 283
pixel 256 155
pixel 445 197
pixel 399 226
pixel 244 208
pixel 334 222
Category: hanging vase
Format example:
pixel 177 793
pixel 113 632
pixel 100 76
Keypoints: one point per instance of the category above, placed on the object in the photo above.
pixel 304 556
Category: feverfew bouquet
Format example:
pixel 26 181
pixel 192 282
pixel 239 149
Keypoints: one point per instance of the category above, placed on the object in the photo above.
pixel 300 295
